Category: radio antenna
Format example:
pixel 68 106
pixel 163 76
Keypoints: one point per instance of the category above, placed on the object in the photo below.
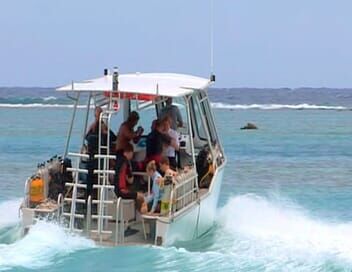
pixel 212 75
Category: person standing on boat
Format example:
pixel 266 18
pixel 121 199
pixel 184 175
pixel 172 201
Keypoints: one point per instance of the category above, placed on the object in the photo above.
pixel 156 140
pixel 174 112
pixel 92 136
pixel 170 150
pixel 126 132
pixel 94 127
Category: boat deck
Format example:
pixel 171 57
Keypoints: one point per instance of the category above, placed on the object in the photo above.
pixel 133 234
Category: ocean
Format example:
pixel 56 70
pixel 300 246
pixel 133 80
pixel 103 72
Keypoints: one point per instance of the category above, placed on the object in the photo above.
pixel 285 203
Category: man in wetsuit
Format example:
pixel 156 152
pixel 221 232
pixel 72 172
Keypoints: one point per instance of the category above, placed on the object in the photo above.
pixel 92 138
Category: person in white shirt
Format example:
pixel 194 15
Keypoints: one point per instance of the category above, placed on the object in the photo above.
pixel 170 150
pixel 174 112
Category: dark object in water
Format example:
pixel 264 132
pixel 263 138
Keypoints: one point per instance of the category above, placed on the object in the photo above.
pixel 250 126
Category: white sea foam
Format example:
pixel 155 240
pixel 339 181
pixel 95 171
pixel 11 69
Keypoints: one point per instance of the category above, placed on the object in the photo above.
pixel 37 249
pixel 38 105
pixel 281 233
pixel 40 246
pixel 9 212
pixel 220 105
pixel 49 98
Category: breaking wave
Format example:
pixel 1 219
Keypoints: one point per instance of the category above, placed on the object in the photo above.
pixel 44 242
pixel 220 105
pixel 39 247
pixel 281 235
pixel 49 98
pixel 9 212
pixel 38 105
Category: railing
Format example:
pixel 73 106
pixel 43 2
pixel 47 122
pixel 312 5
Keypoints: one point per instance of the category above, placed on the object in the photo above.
pixel 101 210
pixel 183 193
pixel 26 192
pixel 89 215
pixel 119 230
pixel 60 206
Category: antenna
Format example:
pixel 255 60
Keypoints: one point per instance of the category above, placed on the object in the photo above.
pixel 212 75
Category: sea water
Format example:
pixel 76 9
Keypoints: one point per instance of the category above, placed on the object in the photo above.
pixel 285 203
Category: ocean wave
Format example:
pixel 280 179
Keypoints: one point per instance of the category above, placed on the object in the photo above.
pixel 49 98
pixel 40 246
pixel 279 233
pixel 15 100
pixel 9 212
pixel 38 105
pixel 220 105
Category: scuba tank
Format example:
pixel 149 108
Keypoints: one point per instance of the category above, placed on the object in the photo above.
pixel 36 190
pixel 165 200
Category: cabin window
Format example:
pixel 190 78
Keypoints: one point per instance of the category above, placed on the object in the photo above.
pixel 198 120
pixel 180 103
pixel 207 112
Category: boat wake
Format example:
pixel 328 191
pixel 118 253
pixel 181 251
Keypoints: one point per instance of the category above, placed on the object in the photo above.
pixel 256 234
pixel 253 234
pixel 279 233
pixel 9 213
pixel 220 105
pixel 44 242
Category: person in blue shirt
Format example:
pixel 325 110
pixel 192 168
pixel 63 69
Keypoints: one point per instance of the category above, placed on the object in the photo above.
pixel 153 200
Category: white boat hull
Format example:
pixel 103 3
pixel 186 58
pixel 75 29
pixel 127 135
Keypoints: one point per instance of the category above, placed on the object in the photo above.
pixel 195 220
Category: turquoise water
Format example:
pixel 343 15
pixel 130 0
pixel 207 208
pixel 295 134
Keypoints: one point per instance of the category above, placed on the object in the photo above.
pixel 284 206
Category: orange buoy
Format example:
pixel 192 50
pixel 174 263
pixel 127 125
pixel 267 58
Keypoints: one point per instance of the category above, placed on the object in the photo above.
pixel 36 191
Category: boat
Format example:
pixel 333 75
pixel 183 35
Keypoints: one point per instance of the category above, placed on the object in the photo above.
pixel 58 190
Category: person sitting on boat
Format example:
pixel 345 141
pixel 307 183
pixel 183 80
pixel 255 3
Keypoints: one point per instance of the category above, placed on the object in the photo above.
pixel 174 112
pixel 126 132
pixel 156 140
pixel 166 169
pixel 153 200
pixel 170 150
pixel 123 176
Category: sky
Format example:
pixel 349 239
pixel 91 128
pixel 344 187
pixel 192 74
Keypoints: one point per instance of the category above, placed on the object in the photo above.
pixel 257 43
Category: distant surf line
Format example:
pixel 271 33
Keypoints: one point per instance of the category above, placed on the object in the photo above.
pixel 38 105
pixel 216 105
pixel 304 106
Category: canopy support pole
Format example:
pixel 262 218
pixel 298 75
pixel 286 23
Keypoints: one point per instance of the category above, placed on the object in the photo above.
pixel 71 126
pixel 86 119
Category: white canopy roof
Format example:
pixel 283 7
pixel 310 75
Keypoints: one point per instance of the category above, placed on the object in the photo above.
pixel 161 84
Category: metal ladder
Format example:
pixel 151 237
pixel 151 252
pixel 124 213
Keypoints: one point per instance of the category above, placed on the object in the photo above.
pixel 104 186
pixel 72 214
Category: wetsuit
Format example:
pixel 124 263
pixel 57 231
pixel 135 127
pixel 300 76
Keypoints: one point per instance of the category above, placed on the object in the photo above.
pixel 123 170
